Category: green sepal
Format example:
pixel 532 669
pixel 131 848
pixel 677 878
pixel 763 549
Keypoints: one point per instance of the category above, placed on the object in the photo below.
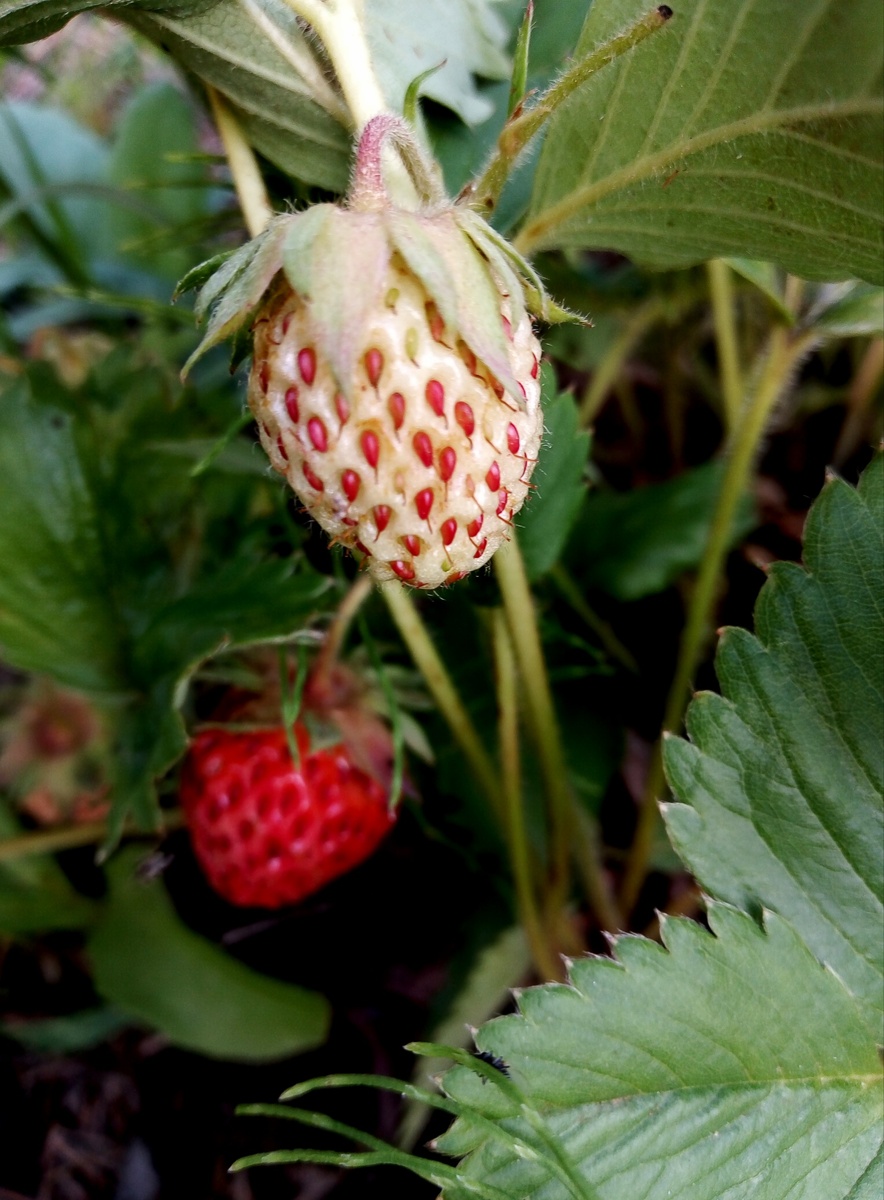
pixel 478 302
pixel 298 245
pixel 197 276
pixel 408 235
pixel 343 247
pixel 241 283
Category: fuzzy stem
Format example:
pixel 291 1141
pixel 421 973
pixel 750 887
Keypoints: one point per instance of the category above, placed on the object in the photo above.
pixel 519 605
pixel 520 129
pixel 358 593
pixel 776 370
pixel 522 619
pixel 548 964
pixel 50 841
pixel 724 316
pixel 247 179
pixel 420 645
pixel 608 370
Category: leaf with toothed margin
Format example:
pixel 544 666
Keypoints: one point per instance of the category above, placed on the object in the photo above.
pixel 786 769
pixel 685 1071
pixel 348 260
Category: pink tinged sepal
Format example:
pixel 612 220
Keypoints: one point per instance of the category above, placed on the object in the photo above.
pixel 338 266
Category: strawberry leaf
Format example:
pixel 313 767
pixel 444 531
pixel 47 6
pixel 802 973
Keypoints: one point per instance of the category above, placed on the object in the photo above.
pixel 150 965
pixel 782 1085
pixel 785 768
pixel 662 157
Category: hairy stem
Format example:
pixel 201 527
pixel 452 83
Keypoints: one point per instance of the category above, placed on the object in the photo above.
pixel 724 316
pixel 247 179
pixel 522 619
pixel 775 372
pixel 548 964
pixel 521 128
pixel 426 658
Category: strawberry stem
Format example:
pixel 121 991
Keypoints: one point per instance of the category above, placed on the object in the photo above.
pixel 524 124
pixel 292 698
pixel 426 658
pixel 548 963
pixel 247 178
pixel 50 841
pixel 522 618
pixel 774 370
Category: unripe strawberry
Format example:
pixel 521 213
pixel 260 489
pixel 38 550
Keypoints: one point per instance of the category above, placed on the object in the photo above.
pixel 395 369
pixel 423 467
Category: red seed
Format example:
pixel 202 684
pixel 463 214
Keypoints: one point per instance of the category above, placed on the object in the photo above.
pixel 522 390
pixel 455 576
pixel 314 480
pixel 435 394
pixel 474 526
pixel 447 463
pixel 286 321
pixel 448 531
pixel 396 405
pixel 350 482
pixel 434 320
pixel 342 408
pixel 423 448
pixel 497 387
pixel 512 438
pixel 360 546
pixel 280 445
pixel 423 502
pixel 317 432
pixel 481 548
pixel 412 544
pixel 370 447
pixel 468 357
pixel 264 376
pixel 291 403
pixel 492 478
pixel 374 364
pixel 381 517
pixel 463 414
pixel 535 368
pixel 307 364
pixel 351 521
pixel 507 327
pixel 404 570
pixel 502 500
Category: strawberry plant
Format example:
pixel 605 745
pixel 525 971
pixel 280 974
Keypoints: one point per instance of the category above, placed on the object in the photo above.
pixel 361 599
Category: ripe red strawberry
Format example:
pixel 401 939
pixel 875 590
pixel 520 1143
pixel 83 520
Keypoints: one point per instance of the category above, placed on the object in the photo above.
pixel 269 833
pixel 395 370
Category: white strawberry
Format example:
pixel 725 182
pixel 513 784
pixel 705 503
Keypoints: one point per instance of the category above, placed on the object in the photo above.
pixel 394 369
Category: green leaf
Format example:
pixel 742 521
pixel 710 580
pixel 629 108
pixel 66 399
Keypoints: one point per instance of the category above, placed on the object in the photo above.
pixel 158 124
pixel 260 60
pixel 546 520
pixel 849 310
pixel 28 20
pixel 467 36
pixel 69 1034
pixel 632 544
pixel 685 1071
pixel 56 611
pixel 786 769
pixel 149 964
pixel 739 129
